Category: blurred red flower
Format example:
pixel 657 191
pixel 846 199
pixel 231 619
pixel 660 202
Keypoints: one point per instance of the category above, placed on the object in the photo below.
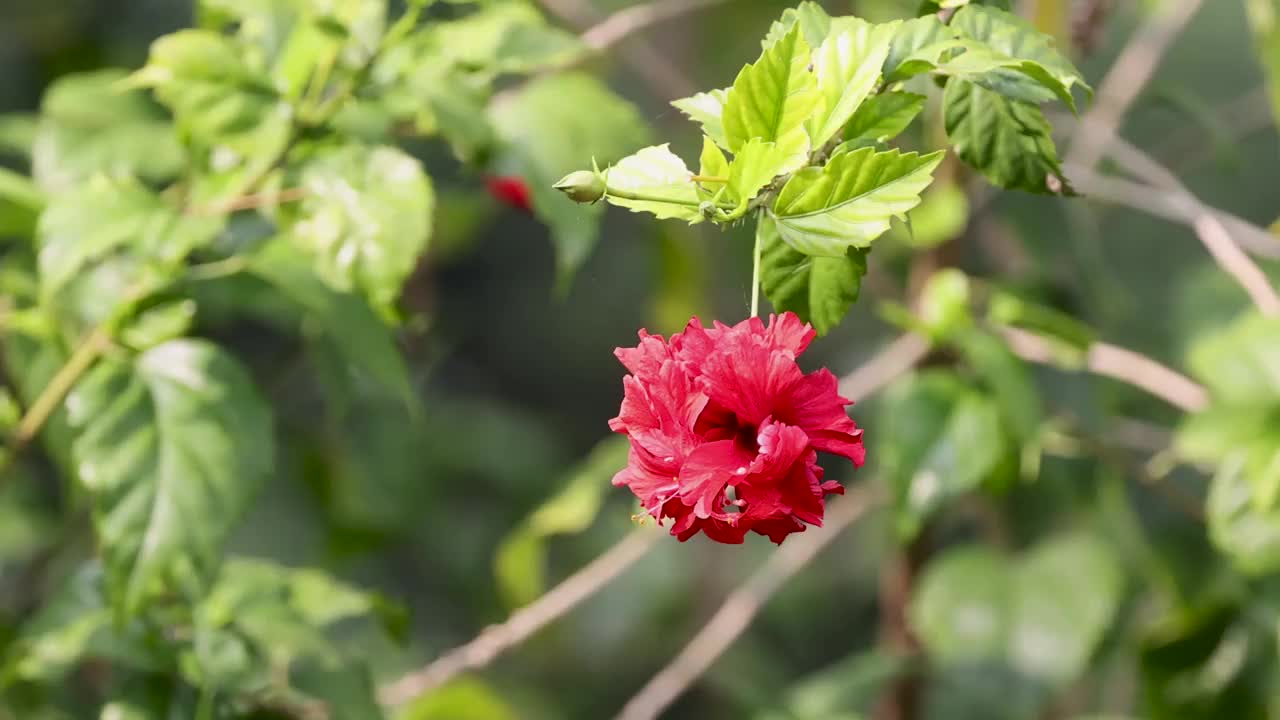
pixel 725 429
pixel 510 190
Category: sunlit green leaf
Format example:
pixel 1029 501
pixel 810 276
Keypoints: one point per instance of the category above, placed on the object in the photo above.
pixel 772 99
pixel 365 219
pixel 90 124
pixel 462 699
pixel 851 201
pixel 818 289
pixel 847 65
pixel 172 447
pixel 756 165
pixel 654 180
pixel 707 109
pixel 813 21
pixel 107 216
pixel 21 202
pixel 1008 141
pixel 940 439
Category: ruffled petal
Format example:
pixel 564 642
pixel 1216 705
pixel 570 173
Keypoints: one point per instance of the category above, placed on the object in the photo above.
pixel 788 332
pixel 706 472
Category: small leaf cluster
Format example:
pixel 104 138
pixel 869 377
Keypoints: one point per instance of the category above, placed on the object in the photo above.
pixel 802 140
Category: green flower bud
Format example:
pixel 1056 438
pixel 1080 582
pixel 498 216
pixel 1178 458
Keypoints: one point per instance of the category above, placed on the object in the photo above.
pixel 582 186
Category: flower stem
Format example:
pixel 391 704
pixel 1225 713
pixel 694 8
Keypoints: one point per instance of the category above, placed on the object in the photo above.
pixel 755 269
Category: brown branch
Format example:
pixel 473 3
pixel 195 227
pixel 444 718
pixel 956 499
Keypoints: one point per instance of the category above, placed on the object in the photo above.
pixel 885 366
pixel 1126 79
pixel 657 69
pixel 497 639
pixel 1117 363
pixel 739 609
pixel 624 23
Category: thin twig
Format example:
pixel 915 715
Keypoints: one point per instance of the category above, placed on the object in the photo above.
pixel 659 71
pixel 1144 198
pixel 1117 363
pixel 1126 79
pixel 497 639
pixel 252 201
pixel 739 609
pixel 885 366
pixel 50 398
pixel 626 22
pixel 1206 223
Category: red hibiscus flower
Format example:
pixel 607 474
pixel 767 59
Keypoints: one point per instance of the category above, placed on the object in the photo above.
pixel 725 429
pixel 510 190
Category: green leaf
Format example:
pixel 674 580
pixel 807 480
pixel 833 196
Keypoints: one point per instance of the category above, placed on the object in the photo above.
pixel 941 439
pixel 365 219
pixel 707 109
pixel 1064 331
pixel 205 79
pixel 944 305
pixel 852 683
pixel 345 320
pixel 756 165
pixel 547 135
pixel 818 289
pixel 1008 141
pixel 159 323
pixel 1066 592
pixel 521 559
pixel 943 214
pixel 223 105
pixel 347 691
pixel 18 134
pixel 847 66
pixel 75 625
pixel 1018 39
pixel 813 21
pixel 772 98
pixel 1010 381
pixel 963 605
pixel 463 699
pixel 90 124
pixel 1240 364
pixel 21 202
pixel 916 46
pixel 850 202
pixel 713 162
pixel 1043 613
pixel 654 180
pixel 107 216
pixel 503 38
pixel 882 117
pixel 172 447
pixel 1239 432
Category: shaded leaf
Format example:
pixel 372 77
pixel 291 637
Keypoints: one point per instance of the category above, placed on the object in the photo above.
pixel 172 447
pixel 1008 141
pixel 345 320
pixel 818 289
pixel 882 117
pixel 21 202
pixel 1016 38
